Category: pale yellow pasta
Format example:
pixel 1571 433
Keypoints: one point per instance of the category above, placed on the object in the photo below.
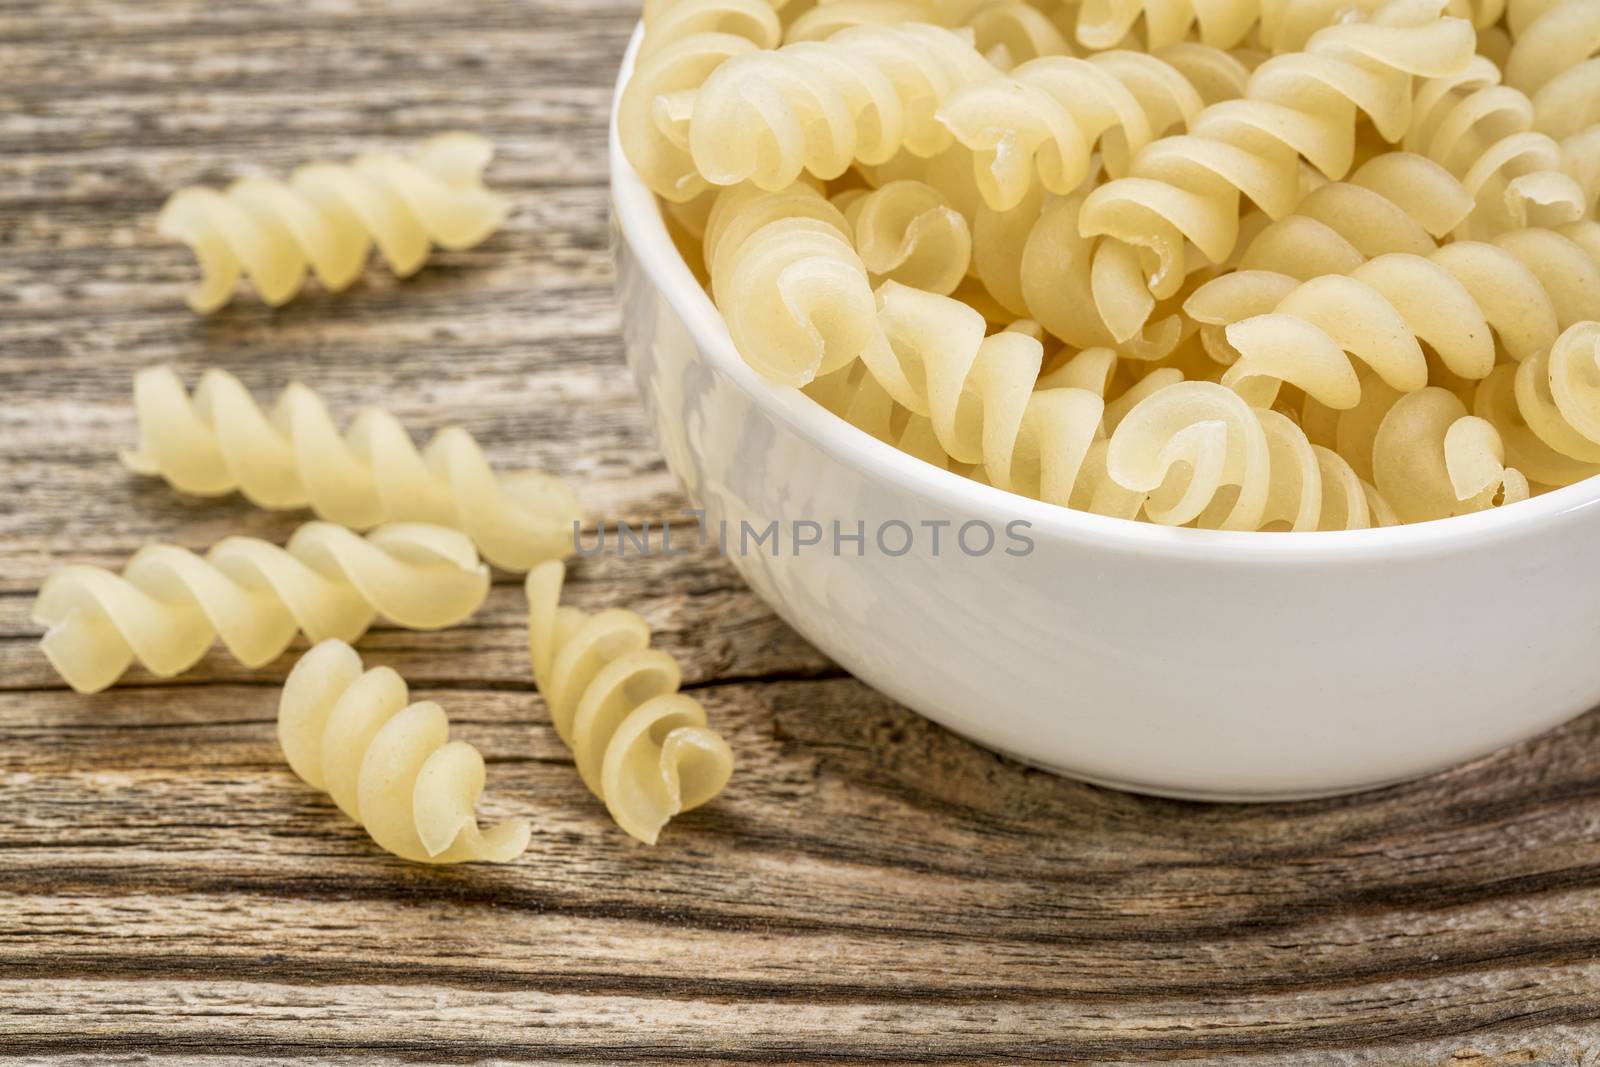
pixel 855 396
pixel 1315 264
pixel 1432 460
pixel 1048 116
pixel 1556 60
pixel 641 746
pixel 169 605
pixel 1396 202
pixel 1185 189
pixel 784 274
pixel 1007 32
pixel 1195 452
pixel 1280 25
pixel 1276 329
pixel 818 106
pixel 907 231
pixel 1547 408
pixel 1036 263
pixel 388 763
pixel 685 40
pixel 1483 14
pixel 668 21
pixel 949 172
pixel 1483 133
pixel 326 218
pixel 979 397
pixel 219 441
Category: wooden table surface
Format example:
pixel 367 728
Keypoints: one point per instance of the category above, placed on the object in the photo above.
pixel 869 888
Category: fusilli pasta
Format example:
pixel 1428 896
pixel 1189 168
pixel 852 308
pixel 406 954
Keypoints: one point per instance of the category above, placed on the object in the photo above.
pixel 818 106
pixel 1483 132
pixel 388 763
pixel 795 295
pixel 219 441
pixel 1049 115
pixel 169 605
pixel 640 745
pixel 1185 189
pixel 685 40
pixel 1547 408
pixel 907 231
pixel 327 217
pixel 1555 59
pixel 1007 32
pixel 1006 238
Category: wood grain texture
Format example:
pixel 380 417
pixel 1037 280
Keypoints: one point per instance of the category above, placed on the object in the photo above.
pixel 869 889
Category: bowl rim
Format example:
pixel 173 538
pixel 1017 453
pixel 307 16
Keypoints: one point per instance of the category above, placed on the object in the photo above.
pixel 641 225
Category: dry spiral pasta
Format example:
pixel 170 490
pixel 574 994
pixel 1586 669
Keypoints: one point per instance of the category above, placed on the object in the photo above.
pixel 1195 452
pixel 818 106
pixel 1006 32
pixel 1432 459
pixel 1185 188
pixel 1483 132
pixel 1048 115
pixel 1555 59
pixel 1279 329
pixel 168 605
pixel 219 441
pixel 787 279
pixel 906 230
pixel 1396 202
pixel 327 216
pixel 1278 25
pixel 1397 327
pixel 684 41
pixel 1547 408
pixel 388 763
pixel 640 745
pixel 973 399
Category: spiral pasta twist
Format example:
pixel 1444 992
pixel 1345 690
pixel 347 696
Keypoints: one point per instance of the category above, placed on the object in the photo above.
pixel 795 295
pixel 1007 32
pixel 1195 452
pixel 1555 59
pixel 1049 115
pixel 327 216
pixel 1185 188
pixel 1483 132
pixel 906 230
pixel 684 41
pixel 1433 460
pixel 169 605
pixel 1547 408
pixel 1280 25
pixel 219 441
pixel 1396 202
pixel 388 763
pixel 640 745
pixel 818 106
pixel 1308 334
pixel 943 391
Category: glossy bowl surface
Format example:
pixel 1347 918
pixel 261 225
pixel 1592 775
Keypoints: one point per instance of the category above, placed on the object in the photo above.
pixel 1170 661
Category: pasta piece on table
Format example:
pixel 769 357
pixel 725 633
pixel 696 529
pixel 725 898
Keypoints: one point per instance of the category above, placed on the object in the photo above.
pixel 326 218
pixel 641 746
pixel 169 605
pixel 219 441
pixel 388 763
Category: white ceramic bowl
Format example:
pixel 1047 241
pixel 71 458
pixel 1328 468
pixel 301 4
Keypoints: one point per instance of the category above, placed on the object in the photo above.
pixel 1171 661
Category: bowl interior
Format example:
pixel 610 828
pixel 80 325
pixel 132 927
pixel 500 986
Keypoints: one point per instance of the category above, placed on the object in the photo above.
pixel 641 224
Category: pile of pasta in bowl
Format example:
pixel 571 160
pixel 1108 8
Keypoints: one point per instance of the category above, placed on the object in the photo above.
pixel 1242 264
